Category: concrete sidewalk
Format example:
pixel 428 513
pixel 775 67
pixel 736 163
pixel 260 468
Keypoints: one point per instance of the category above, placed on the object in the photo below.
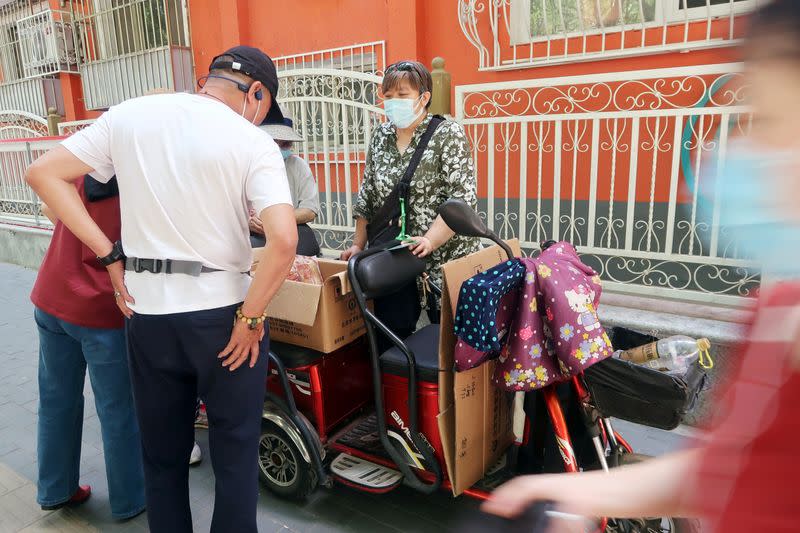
pixel 337 510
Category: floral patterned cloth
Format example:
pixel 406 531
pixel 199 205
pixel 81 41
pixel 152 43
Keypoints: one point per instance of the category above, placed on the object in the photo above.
pixel 540 320
pixel 445 171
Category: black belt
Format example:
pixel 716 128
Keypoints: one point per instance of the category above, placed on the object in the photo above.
pixel 167 266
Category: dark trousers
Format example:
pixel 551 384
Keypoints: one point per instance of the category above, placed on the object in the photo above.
pixel 400 313
pixel 173 360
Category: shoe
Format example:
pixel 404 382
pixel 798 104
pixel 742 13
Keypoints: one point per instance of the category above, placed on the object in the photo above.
pixel 80 496
pixel 201 422
pixel 196 455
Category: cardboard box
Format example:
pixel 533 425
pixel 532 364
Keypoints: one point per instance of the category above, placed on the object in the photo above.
pixel 475 417
pixel 321 317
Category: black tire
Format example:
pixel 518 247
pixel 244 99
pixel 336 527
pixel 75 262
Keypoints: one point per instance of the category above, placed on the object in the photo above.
pixel 281 467
pixel 651 525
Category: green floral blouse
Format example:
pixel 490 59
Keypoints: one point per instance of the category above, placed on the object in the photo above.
pixel 445 171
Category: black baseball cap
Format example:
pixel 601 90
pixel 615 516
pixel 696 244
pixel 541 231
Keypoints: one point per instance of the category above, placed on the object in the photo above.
pixel 255 64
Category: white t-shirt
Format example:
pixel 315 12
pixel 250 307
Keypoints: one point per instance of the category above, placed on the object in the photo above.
pixel 187 168
pixel 302 184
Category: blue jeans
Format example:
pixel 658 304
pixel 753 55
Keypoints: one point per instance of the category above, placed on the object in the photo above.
pixel 65 353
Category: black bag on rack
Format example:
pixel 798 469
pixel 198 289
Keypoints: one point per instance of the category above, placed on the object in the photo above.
pixel 639 394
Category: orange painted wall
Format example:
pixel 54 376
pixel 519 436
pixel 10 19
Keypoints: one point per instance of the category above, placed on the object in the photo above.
pixel 424 29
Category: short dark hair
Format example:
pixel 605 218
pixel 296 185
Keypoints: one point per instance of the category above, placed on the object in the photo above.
pixel 414 72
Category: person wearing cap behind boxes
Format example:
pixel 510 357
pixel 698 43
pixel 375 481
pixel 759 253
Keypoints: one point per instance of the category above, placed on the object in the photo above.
pixel 302 184
pixel 187 165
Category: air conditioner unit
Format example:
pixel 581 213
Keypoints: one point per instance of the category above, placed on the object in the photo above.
pixel 47 46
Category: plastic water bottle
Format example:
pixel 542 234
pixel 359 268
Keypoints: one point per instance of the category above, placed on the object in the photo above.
pixel 673 355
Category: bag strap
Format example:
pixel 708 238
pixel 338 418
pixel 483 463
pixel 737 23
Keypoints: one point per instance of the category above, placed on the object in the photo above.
pixel 402 189
pixel 404 185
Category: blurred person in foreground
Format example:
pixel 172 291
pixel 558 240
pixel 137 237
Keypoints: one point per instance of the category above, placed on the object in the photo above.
pixel 741 478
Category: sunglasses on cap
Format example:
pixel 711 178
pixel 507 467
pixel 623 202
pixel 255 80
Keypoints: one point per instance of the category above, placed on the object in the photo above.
pixel 404 66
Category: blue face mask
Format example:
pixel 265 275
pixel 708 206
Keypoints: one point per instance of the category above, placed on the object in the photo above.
pixel 400 111
pixel 753 181
pixel 286 153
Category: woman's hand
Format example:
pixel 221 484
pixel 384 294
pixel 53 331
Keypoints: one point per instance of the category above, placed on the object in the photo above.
pixel 422 246
pixel 256 226
pixel 350 252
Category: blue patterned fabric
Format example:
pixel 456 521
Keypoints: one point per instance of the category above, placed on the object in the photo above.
pixel 477 304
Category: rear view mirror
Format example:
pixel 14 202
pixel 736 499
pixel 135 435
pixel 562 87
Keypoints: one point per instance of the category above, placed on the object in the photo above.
pixel 462 219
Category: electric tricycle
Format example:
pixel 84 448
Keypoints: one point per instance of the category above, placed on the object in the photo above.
pixel 368 419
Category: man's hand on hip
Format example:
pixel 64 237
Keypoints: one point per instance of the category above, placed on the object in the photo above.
pixel 244 345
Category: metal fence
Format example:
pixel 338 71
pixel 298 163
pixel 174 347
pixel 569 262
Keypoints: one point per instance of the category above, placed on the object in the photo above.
pixel 132 47
pixel 332 95
pixel 336 112
pixel 18 202
pixel 618 165
pixel 35 41
pixel 510 34
pixel 368 58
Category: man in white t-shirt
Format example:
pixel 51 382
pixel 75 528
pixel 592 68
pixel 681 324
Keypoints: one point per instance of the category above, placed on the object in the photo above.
pixel 187 167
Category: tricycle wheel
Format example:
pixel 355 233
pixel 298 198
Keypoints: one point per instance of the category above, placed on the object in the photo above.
pixel 281 466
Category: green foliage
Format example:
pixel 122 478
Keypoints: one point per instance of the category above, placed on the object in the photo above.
pixel 554 17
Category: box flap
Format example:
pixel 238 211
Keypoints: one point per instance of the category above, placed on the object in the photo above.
pixel 296 302
pixel 335 272
pixel 329 267
pixel 446 420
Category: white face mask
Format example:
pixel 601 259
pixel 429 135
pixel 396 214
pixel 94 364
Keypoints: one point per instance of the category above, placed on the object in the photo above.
pixel 244 109
pixel 400 111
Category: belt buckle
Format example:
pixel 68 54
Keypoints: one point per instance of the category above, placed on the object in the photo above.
pixel 149 265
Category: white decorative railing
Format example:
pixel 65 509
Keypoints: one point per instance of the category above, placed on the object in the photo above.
pixel 68 128
pixel 19 124
pixel 369 58
pixel 511 34
pixel 336 112
pixel 18 202
pixel 616 164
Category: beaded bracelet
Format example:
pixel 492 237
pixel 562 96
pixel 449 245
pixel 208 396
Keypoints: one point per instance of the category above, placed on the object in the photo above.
pixel 252 323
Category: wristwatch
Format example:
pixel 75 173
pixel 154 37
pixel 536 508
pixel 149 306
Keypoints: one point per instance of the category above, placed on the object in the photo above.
pixel 116 255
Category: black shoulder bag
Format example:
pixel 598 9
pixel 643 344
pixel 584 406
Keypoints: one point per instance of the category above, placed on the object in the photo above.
pixel 96 191
pixel 385 225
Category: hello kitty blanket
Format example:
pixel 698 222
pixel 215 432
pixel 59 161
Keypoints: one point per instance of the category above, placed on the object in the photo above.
pixel 537 316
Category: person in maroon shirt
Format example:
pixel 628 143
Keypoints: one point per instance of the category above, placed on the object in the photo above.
pixel 81 328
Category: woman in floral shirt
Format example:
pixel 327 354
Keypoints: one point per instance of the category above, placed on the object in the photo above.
pixel 445 171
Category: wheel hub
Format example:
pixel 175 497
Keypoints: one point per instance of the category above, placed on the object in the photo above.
pixel 277 461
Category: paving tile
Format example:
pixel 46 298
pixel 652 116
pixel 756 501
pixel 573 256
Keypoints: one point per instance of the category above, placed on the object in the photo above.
pixel 64 521
pixel 10 480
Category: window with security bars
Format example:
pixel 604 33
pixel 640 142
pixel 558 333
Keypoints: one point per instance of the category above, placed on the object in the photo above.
pixel 116 28
pixel 557 18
